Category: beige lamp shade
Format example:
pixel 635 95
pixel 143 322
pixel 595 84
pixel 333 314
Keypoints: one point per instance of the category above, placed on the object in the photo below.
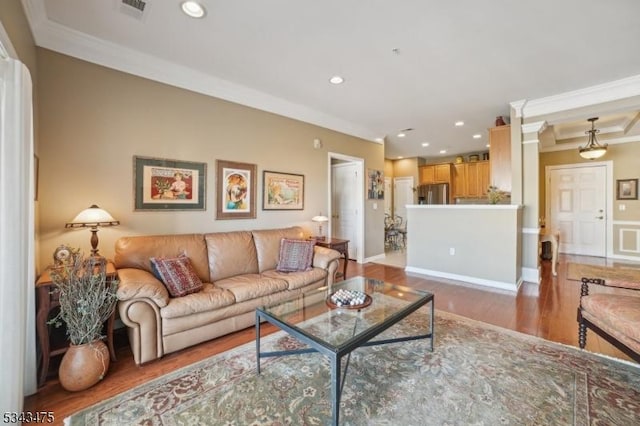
pixel 320 220
pixel 93 217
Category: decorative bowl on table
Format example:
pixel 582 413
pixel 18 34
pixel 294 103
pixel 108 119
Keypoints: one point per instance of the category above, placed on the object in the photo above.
pixel 349 299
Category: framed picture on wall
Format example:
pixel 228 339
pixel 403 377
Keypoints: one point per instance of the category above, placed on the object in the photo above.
pixel 282 191
pixel 236 190
pixel 627 189
pixel 375 184
pixel 162 184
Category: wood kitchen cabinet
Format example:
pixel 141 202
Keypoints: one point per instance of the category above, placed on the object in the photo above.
pixel 435 173
pixel 500 154
pixel 459 180
pixel 471 179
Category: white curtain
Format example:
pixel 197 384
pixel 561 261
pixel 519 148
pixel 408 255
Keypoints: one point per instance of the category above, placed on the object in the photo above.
pixel 17 245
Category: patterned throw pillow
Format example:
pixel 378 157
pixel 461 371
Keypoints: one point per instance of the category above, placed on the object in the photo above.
pixel 177 275
pixel 295 255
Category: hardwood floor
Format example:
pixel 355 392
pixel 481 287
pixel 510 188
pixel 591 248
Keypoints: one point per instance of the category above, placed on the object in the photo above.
pixel 547 311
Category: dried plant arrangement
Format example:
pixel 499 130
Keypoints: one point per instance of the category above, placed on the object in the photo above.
pixel 87 300
pixel 495 195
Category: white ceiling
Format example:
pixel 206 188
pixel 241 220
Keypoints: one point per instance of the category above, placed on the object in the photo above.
pixel 455 60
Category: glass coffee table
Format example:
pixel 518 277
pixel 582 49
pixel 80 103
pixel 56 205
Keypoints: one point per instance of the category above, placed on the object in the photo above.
pixel 314 319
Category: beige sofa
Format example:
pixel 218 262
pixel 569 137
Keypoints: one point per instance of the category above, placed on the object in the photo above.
pixel 238 270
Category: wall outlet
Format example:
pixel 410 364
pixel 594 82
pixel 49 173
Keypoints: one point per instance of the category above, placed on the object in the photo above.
pixel 375 206
pixel 452 251
pixel 622 207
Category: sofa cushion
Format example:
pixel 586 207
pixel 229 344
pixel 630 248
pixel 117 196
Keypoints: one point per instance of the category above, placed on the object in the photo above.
pixel 267 243
pixel 135 252
pixel 251 286
pixel 209 299
pixel 295 255
pixel 230 254
pixel 298 279
pixel 614 312
pixel 177 275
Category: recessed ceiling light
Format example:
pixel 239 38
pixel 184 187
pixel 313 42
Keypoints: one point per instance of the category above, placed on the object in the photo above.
pixel 336 79
pixel 193 9
pixel 488 146
pixel 402 135
pixel 443 151
pixel 425 144
pixel 459 123
pixel 477 136
pixel 400 157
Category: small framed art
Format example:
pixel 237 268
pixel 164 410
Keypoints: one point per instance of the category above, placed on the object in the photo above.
pixel 236 190
pixel 375 184
pixel 627 189
pixel 282 191
pixel 162 184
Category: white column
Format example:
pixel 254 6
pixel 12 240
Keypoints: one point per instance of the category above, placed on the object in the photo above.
pixel 530 200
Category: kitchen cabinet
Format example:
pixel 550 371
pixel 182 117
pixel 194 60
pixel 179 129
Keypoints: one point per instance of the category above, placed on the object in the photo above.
pixel 500 154
pixel 435 173
pixel 471 179
pixel 459 180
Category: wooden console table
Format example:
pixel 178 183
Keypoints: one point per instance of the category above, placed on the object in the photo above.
pixel 338 245
pixel 46 301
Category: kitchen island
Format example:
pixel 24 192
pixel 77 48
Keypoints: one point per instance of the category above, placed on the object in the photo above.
pixel 475 243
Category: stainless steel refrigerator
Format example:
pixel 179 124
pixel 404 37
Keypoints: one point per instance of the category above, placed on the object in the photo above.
pixel 436 193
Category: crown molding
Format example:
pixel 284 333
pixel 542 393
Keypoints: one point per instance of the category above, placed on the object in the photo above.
pixel 607 92
pixel 518 107
pixel 537 127
pixel 59 38
pixel 576 145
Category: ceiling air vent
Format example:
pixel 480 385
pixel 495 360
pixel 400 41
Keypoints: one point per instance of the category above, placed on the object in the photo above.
pixel 138 4
pixel 134 8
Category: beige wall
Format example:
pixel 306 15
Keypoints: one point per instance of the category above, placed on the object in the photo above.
pixel 484 249
pixel 626 165
pixel 94 120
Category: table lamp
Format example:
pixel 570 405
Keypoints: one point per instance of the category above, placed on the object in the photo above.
pixel 93 217
pixel 320 219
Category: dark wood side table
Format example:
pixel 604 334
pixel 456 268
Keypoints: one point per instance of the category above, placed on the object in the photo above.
pixel 46 301
pixel 339 245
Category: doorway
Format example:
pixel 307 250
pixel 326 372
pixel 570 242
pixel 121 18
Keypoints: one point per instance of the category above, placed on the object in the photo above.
pixel 346 202
pixel 402 195
pixel 578 205
pixel 387 196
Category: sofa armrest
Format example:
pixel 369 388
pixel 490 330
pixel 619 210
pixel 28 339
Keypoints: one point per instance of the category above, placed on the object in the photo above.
pixel 327 259
pixel 323 256
pixel 139 284
pixel 144 327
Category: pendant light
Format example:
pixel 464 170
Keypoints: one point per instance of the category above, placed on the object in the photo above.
pixel 592 149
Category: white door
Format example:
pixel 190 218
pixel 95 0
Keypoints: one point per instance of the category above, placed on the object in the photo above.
pixel 387 196
pixel 577 208
pixel 402 195
pixel 345 205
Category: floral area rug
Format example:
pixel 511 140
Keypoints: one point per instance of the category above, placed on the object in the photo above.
pixel 478 374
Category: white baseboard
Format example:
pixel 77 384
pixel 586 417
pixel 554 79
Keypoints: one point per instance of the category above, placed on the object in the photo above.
pixel 510 287
pixel 624 257
pixel 531 275
pixel 374 258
